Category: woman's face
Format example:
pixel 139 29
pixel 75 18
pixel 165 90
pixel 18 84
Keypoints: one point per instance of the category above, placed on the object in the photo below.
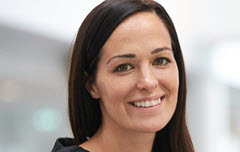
pixel 137 77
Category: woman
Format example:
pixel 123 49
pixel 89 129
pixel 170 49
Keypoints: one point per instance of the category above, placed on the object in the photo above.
pixel 127 87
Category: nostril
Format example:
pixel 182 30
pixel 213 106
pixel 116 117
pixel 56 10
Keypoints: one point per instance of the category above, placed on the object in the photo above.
pixel 147 83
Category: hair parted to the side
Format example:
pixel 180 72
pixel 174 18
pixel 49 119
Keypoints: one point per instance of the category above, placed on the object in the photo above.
pixel 84 111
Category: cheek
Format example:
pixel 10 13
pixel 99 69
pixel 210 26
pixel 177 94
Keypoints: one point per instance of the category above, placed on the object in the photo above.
pixel 115 89
pixel 173 85
pixel 114 93
pixel 169 80
pixel 174 80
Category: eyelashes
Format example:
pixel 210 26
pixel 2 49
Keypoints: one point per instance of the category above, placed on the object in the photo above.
pixel 123 67
pixel 161 61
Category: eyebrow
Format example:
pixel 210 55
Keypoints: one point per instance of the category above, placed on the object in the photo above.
pixel 134 55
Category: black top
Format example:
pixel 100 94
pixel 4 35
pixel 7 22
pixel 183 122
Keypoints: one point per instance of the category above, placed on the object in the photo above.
pixel 66 145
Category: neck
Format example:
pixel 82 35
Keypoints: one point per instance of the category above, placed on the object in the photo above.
pixel 111 138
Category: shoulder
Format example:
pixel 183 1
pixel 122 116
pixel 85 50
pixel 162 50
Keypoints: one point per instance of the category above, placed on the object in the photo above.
pixel 66 145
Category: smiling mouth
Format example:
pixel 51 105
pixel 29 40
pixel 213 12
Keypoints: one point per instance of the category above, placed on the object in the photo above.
pixel 146 104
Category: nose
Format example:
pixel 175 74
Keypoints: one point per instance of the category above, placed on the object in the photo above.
pixel 146 80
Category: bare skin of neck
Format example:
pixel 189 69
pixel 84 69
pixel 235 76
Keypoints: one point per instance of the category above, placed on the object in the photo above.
pixel 111 138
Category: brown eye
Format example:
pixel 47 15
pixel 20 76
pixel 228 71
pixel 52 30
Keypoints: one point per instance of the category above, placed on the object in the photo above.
pixel 123 68
pixel 161 61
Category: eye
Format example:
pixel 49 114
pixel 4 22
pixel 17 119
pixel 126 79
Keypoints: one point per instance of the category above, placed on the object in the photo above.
pixel 123 68
pixel 161 61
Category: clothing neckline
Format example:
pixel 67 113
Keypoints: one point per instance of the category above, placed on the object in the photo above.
pixel 66 144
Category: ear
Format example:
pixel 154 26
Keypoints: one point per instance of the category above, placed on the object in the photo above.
pixel 92 89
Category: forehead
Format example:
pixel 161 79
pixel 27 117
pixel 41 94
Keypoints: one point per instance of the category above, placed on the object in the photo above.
pixel 143 30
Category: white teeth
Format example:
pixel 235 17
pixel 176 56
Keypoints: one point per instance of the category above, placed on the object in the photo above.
pixel 147 103
pixel 152 103
pixel 138 104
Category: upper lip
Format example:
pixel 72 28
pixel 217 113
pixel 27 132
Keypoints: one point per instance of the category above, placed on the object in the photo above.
pixel 147 98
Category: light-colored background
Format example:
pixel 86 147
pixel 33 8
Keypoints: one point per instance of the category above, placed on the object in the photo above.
pixel 35 38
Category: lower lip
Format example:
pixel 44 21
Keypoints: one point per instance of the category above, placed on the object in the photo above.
pixel 149 109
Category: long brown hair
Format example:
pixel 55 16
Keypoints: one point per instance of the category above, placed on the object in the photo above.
pixel 84 111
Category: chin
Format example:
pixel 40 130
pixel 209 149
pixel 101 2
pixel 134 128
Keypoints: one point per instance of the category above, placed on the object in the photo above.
pixel 150 128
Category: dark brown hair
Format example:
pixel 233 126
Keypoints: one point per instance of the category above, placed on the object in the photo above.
pixel 84 111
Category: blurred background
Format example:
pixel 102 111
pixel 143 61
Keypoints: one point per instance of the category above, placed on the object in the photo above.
pixel 35 39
